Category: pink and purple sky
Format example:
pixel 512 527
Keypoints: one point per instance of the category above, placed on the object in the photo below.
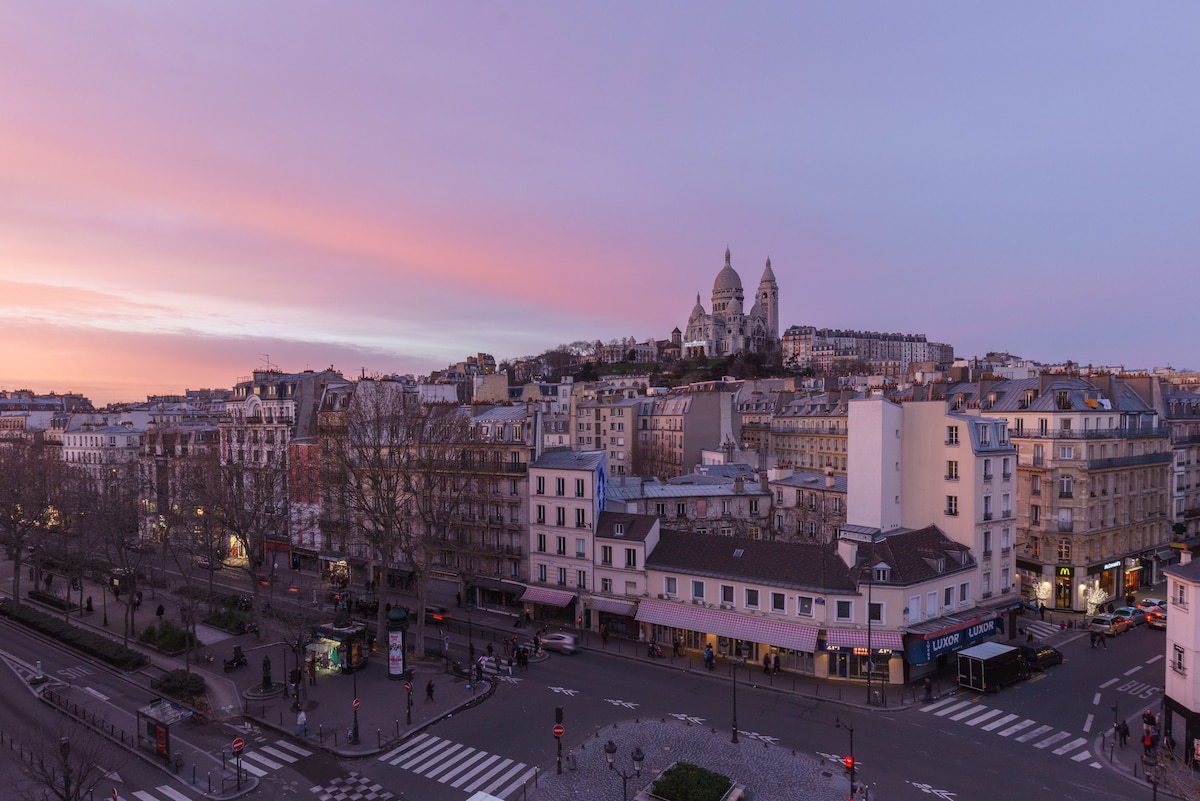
pixel 190 188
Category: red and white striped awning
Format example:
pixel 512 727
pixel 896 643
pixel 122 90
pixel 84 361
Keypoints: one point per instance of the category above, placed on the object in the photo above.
pixel 857 638
pixel 728 624
pixel 547 596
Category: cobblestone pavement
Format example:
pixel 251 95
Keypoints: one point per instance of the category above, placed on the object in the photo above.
pixel 768 772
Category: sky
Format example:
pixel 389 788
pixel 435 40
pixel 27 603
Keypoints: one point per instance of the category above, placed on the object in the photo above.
pixel 193 190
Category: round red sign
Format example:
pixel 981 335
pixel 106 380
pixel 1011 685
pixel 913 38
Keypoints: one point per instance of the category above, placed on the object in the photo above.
pixel 238 744
pixel 559 731
pixel 408 686
pixel 356 703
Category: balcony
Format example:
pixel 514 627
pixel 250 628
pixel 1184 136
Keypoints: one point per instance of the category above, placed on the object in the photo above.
pixel 987 476
pixel 987 515
pixel 1066 494
pixel 1006 476
pixel 1093 433
pixel 1006 512
pixel 952 512
pixel 1066 526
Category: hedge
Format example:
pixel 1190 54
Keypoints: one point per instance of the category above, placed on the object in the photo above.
pixel 167 637
pixel 49 599
pixel 685 782
pixel 180 684
pixel 81 639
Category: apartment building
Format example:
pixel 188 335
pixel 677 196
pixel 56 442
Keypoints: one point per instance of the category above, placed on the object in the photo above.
pixel 806 506
pixel 728 501
pixel 674 429
pixel 809 432
pixel 1181 693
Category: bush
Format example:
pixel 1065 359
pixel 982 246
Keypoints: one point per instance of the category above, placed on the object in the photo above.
pixel 228 619
pixel 81 639
pixel 684 782
pixel 180 684
pixel 49 599
pixel 167 637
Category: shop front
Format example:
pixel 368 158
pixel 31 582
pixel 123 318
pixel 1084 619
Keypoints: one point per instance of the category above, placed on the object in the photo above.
pixel 337 649
pixel 551 606
pixel 933 642
pixel 1106 576
pixel 855 654
pixel 1064 587
pixel 731 636
pixel 618 616
pixel 495 594
pixel 1029 574
pixel 1133 576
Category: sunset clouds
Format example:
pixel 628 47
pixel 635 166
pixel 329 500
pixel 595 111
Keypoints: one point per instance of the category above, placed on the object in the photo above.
pixel 188 187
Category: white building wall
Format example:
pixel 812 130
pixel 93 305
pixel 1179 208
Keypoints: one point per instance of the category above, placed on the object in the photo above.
pixel 873 461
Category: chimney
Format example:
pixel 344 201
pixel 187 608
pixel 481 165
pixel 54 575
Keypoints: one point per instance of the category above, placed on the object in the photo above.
pixel 1185 556
pixel 829 479
pixel 848 551
pixel 739 485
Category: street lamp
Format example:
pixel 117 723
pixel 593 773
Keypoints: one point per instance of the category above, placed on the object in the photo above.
pixel 739 650
pixel 64 748
pixel 354 729
pixel 848 761
pixel 610 753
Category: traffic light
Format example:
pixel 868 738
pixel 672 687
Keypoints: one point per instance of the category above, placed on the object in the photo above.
pixel 848 762
pixel 558 714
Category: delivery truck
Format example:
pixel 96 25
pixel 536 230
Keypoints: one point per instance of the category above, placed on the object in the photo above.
pixel 989 666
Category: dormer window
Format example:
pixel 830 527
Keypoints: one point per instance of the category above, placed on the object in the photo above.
pixel 619 529
pixel 882 574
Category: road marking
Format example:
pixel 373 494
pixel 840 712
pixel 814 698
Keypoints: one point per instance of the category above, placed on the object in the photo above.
pixel 564 691
pixel 1132 670
pixel 521 780
pixel 1096 699
pixel 1154 659
pixel 936 704
pixel 406 745
pixel 1017 727
pixel 143 795
pixel 95 693
pixel 304 752
pixel 1052 739
pixel 172 793
pixel 474 771
pixel 968 713
pixel 461 766
pixel 431 760
pixel 953 708
pixel 1033 735
pixel 429 774
pixel 252 769
pixel 275 752
pixel 998 723
pixel 1087 724
pixel 1083 755
pixel 1108 683
pixel 981 718
pixel 475 785
pixel 414 756
pixel 257 757
pixel 1071 746
pixel 626 704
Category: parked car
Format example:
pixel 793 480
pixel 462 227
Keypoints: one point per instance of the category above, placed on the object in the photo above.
pixel 1110 624
pixel 561 642
pixel 1157 620
pixel 1150 604
pixel 1040 656
pixel 1135 616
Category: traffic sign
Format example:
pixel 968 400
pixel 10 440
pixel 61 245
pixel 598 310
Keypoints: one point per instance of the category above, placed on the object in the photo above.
pixel 238 744
pixel 356 703
pixel 408 686
pixel 558 730
pixel 114 795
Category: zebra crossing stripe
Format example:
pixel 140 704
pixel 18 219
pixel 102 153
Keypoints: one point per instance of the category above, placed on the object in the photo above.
pixel 936 704
pixel 414 756
pixel 403 747
pixel 475 785
pixel 998 723
pixel 1051 740
pixel 1016 727
pixel 517 768
pixel 172 793
pixel 304 752
pixel 251 768
pixel 949 709
pixel 257 757
pixel 521 780
pixel 981 718
pixel 968 713
pixel 142 795
pixel 433 758
pixel 458 760
pixel 1033 735
pixel 1071 746
pixel 492 758
pixel 466 763
pixel 275 752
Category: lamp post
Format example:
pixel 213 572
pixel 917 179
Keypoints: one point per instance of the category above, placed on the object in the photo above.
pixel 64 748
pixel 610 754
pixel 870 655
pixel 744 648
pixel 848 761
pixel 354 728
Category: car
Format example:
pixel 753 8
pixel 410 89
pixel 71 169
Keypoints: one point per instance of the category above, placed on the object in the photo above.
pixel 560 641
pixel 1109 624
pixel 1136 617
pixel 436 614
pixel 1150 604
pixel 1157 620
pixel 1040 656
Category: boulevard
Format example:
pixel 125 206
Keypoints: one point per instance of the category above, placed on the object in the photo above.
pixel 1046 737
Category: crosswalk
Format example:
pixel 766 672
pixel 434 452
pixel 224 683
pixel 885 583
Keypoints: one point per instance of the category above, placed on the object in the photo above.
pixel 1040 628
pixel 459 766
pixel 164 792
pixel 267 758
pixel 1020 728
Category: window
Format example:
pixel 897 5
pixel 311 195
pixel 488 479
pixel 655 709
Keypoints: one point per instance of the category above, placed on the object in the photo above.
pixel 948 597
pixel 1180 595
pixel 1006 505
pixel 1066 451
pixel 987 542
pixel 875 612
pixel 580 518
pixel 987 507
pixel 952 505
pixel 660 509
pixel 561 543
pixel 951 435
pixel 754 506
pixel 837 505
pixel 698 590
pixel 579 488
pixel 1005 540
pixel 804 606
pixel 580 547
pixel 727 594
pixel 541 542
pixel 681 510
pixel 541 513
pixel 562 576
pixel 1177 663
pixel 581 579
pixel 751 599
pixel 606 554
pixel 952 470
pixel 560 486
pixel 542 573
pixel 560 515
pixel 987 469
pixel 778 602
pixel 630 557
pixel 1064 550
pixel 1035 515
pixel 914 609
pixel 1065 487
pixel 964 593
pixel 606 585
pixel 844 611
pixel 1005 468
pixel 1004 579
pixel 541 485
pixel 670 586
pixel 726 508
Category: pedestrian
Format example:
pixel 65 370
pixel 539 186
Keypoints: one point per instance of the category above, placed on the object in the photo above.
pixel 767 664
pixel 1123 733
pixel 1094 637
pixel 1104 640
pixel 491 651
pixel 312 671
pixel 603 633
pixel 1029 636
pixel 1148 722
pixel 159 612
pixel 458 599
pixel 775 665
pixel 708 656
pixel 301 724
pixel 446 645
pixel 429 691
pixel 677 646
pixel 506 645
pixel 137 600
pixel 89 608
pixel 928 689
pixel 1042 610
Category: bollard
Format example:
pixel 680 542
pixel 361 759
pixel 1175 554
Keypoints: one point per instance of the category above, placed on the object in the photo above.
pixel 378 739
pixel 321 733
pixel 397 729
pixel 210 782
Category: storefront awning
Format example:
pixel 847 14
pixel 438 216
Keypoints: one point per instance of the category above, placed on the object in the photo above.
pixel 949 633
pixel 617 606
pixel 1164 555
pixel 857 638
pixel 498 584
pixel 547 596
pixel 728 624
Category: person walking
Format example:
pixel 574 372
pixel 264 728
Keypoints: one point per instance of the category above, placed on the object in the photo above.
pixel 159 612
pixel 708 656
pixel 1042 610
pixel 429 691
pixel 775 665
pixel 1123 733
pixel 301 724
pixel 604 633
pixel 1104 640
pixel 767 664
pixel 1148 722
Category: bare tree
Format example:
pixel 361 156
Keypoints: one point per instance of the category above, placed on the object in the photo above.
pixel 112 523
pixel 68 761
pixel 30 478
